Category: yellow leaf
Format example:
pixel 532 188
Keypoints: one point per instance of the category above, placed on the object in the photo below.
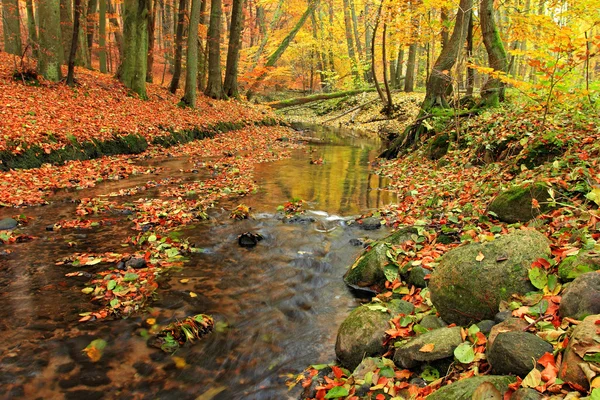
pixel 533 379
pixel 428 348
pixel 179 362
pixel 192 294
pixel 184 280
pixel 151 321
pixel 480 257
pixel 93 353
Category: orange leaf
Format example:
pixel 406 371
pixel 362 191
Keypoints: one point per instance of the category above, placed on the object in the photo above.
pixel 428 348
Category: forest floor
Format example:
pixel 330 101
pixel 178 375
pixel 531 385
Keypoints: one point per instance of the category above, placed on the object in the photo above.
pixel 486 155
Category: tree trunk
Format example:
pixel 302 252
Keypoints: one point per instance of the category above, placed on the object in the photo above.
pixel 470 71
pixel 359 48
pixel 91 24
pixel 492 92
pixel 316 97
pixel 390 103
pixel 132 71
pixel 66 27
pixel 373 41
pixel 368 40
pixel 349 39
pixel 31 29
pixel 445 23
pixel 191 70
pixel 277 14
pixel 203 56
pixel 233 51
pixel 409 82
pixel 178 47
pixel 151 36
pixel 114 22
pixel 318 51
pixel 11 27
pixel 167 31
pixel 440 78
pixel 51 52
pixel 399 67
pixel 214 88
pixel 102 36
pixel 74 40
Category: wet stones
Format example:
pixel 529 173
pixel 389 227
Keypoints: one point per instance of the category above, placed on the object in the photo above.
pixel 466 288
pixel 582 297
pixel 362 332
pixel 370 224
pixel 8 224
pixel 464 389
pixel 516 352
pixel 417 350
pixel 136 263
pixel 249 239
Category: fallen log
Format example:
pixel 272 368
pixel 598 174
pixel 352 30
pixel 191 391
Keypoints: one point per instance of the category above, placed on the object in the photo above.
pixel 316 97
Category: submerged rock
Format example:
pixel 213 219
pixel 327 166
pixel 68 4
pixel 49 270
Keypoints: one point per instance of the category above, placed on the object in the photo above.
pixel 444 341
pixel 581 297
pixel 249 239
pixel 466 290
pixel 363 331
pixel 516 352
pixel 368 270
pixel 370 224
pixel 515 204
pixel 8 223
pixel 574 266
pixel 463 389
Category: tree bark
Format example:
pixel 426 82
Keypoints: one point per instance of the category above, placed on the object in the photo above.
pixel 359 48
pixel 203 48
pixel 349 39
pixel 470 71
pixel 114 22
pixel 51 52
pixel 31 29
pixel 324 96
pixel 66 28
pixel 492 92
pixel 74 40
pixel 91 25
pixel 151 39
pixel 440 79
pixel 178 47
pixel 214 88
pixel 277 14
pixel 390 103
pixel 373 41
pixel 191 70
pixel 132 71
pixel 11 27
pixel 102 35
pixel 409 82
pixel 233 51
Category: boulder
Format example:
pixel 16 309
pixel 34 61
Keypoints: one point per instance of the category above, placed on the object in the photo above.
pixel 515 204
pixel 463 389
pixel 526 394
pixel 368 269
pixel 508 325
pixel 584 340
pixel 573 266
pixel 418 350
pixel 370 224
pixel 431 322
pixel 136 263
pixel 362 333
pixel 581 297
pixel 416 276
pixel 516 352
pixel 8 223
pixel 465 290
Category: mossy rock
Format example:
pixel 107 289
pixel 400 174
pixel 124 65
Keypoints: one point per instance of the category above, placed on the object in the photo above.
pixel 581 297
pixel 464 389
pixel 444 341
pixel 573 266
pixel 515 204
pixel 367 272
pixel 465 290
pixel 362 333
pixel 438 146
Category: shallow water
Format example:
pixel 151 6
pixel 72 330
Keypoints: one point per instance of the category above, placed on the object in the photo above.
pixel 278 305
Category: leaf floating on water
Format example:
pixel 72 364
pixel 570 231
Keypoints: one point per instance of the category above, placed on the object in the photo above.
pixel 95 349
pixel 193 295
pixel 179 362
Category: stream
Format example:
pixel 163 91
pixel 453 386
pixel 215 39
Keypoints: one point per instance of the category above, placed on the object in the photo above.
pixel 277 306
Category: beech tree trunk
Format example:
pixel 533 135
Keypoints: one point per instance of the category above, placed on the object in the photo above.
pixel 74 40
pixel 409 82
pixel 178 47
pixel 214 88
pixel 191 70
pixel 114 22
pixel 51 52
pixel 151 39
pixel 102 36
pixel 470 71
pixel 132 71
pixel 31 29
pixel 349 39
pixel 11 27
pixel 492 92
pixel 440 78
pixel 66 27
pixel 203 56
pixel 233 51
pixel 91 24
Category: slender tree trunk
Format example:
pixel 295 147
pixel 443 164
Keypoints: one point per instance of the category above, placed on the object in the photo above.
pixel 390 103
pixel 399 67
pixel 191 70
pixel 233 51
pixel 203 56
pixel 349 39
pixel 91 24
pixel 409 81
pixel 178 47
pixel 132 71
pixel 31 29
pixel 470 71
pixel 368 39
pixel 102 35
pixel 51 52
pixel 440 78
pixel 373 41
pixel 493 91
pixel 318 51
pixel 214 88
pixel 277 14
pixel 116 28
pixel 330 36
pixel 167 31
pixel 11 27
pixel 151 35
pixel 74 40
pixel 66 27
pixel 359 48
pixel 445 22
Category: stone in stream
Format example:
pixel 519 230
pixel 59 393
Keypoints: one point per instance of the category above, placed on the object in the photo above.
pixel 248 239
pixel 416 276
pixel 135 263
pixel 467 288
pixel 581 297
pixel 585 340
pixel 515 204
pixel 363 331
pixel 573 266
pixel 464 388
pixel 516 353
pixel 444 341
pixel 8 224
pixel 367 272
pixel 369 224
